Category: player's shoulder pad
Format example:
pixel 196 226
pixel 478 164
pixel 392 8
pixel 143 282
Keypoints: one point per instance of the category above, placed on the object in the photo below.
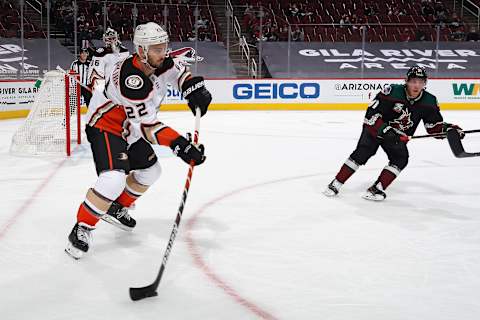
pixel 167 64
pixel 101 52
pixel 134 84
pixel 391 89
pixel 387 89
pixel 429 99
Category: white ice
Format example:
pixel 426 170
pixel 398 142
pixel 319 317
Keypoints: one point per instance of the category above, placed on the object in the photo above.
pixel 258 238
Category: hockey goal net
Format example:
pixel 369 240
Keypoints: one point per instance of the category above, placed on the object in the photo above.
pixel 53 123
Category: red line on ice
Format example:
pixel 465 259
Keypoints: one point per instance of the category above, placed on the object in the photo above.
pixel 27 203
pixel 206 269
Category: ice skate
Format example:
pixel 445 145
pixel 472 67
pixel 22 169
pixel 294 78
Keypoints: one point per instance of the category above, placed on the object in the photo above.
pixel 332 189
pixel 375 193
pixel 118 216
pixel 79 240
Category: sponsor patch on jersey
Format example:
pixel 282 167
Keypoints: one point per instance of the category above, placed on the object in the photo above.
pixel 386 90
pixel 134 82
pixel 398 107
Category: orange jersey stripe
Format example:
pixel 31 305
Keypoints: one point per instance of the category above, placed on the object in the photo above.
pixel 166 136
pixel 112 121
pixel 107 142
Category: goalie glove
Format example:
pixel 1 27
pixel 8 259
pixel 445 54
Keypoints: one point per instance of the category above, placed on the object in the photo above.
pixel 193 89
pixel 188 151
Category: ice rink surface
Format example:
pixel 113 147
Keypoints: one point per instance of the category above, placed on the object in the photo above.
pixel 258 238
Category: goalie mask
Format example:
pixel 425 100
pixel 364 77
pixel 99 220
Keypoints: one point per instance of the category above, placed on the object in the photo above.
pixel 110 38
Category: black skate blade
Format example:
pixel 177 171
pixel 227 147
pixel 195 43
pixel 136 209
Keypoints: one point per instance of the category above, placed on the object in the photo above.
pixel 142 293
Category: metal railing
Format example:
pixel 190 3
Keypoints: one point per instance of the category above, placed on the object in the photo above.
pixel 236 25
pixel 245 52
pixel 252 68
pixel 37 6
pixel 473 9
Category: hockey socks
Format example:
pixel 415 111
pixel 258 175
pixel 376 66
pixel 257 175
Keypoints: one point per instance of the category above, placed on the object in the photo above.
pixel 93 208
pixel 133 190
pixel 346 171
pixel 388 174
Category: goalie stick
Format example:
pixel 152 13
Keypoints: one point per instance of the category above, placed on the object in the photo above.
pixel 151 290
pixel 456 145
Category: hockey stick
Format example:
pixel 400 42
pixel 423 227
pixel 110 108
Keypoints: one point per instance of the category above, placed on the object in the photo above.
pixel 74 78
pixel 457 147
pixel 442 134
pixel 151 290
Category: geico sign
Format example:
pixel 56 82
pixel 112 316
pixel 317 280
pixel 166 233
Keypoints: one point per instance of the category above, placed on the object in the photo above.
pixel 286 90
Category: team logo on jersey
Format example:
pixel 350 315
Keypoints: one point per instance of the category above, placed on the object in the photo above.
pixel 100 50
pixel 403 122
pixel 398 107
pixel 134 82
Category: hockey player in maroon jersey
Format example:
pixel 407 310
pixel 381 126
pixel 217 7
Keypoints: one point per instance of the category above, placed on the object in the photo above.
pixel 122 124
pixel 393 115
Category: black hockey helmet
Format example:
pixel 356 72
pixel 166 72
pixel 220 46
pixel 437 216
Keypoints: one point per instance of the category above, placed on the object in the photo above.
pixel 416 72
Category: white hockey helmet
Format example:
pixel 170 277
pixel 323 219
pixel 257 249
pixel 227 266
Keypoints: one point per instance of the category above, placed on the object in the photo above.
pixel 148 34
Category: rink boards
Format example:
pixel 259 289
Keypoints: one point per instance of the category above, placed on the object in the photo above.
pixel 276 94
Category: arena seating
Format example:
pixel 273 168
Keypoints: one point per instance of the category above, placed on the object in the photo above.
pixel 180 18
pixel 10 23
pixel 393 20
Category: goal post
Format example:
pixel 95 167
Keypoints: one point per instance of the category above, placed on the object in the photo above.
pixel 53 122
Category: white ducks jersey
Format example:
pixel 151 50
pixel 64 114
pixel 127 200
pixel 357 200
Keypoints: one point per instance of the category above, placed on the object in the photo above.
pixel 128 105
pixel 102 61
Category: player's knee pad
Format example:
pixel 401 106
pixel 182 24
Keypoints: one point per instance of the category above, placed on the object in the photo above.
pixel 149 175
pixel 400 163
pixel 360 157
pixel 110 184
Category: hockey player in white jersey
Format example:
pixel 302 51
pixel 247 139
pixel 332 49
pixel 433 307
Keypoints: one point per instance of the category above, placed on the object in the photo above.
pixel 121 126
pixel 104 58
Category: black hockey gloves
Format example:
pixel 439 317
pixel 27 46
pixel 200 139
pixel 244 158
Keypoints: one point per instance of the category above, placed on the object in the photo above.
pixel 388 135
pixel 186 150
pixel 448 126
pixel 194 91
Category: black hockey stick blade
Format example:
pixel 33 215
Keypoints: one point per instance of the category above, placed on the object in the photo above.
pixel 457 147
pixel 144 292
pixel 147 291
